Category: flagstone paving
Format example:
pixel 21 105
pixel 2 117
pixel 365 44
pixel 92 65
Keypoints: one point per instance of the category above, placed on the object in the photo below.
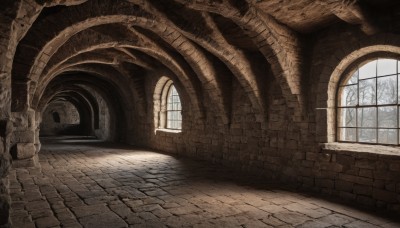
pixel 83 183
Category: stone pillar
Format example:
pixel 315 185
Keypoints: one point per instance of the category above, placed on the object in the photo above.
pixel 25 141
pixel 5 163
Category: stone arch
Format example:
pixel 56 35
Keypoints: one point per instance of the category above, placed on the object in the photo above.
pixel 338 66
pixel 279 45
pixel 60 38
pixel 57 88
pixel 83 106
pixel 175 67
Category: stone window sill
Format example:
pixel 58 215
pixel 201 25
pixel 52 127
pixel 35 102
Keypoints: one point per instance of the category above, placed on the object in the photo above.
pixel 361 148
pixel 168 130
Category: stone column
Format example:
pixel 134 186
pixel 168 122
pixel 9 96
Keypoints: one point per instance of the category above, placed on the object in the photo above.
pixel 5 163
pixel 25 141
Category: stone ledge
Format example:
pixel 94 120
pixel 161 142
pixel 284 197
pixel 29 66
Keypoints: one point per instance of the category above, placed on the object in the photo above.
pixel 167 130
pixel 363 149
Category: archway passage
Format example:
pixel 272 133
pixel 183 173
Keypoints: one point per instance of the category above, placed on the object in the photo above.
pixel 84 105
pixel 61 118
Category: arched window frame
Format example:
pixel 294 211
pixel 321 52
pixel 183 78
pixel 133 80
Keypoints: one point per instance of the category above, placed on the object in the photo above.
pixel 161 94
pixel 377 106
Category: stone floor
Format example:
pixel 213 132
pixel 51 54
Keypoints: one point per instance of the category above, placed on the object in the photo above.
pixel 85 183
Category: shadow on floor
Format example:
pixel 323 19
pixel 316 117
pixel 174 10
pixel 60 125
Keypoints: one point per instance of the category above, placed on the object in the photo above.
pixel 205 172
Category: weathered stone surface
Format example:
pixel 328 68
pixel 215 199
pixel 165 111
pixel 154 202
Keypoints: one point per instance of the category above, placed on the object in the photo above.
pixel 4 209
pixel 5 163
pixel 67 179
pixel 258 83
pixel 103 220
pixel 23 150
pixel 29 162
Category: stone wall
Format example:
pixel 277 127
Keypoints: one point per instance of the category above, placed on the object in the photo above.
pixel 279 145
pixel 60 118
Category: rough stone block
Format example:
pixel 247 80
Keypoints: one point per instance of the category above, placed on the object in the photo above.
pixel 345 160
pixel 343 185
pixel 325 183
pixel 23 137
pixel 4 209
pixel 366 173
pixel 23 151
pixel 366 164
pixel 366 200
pixel 29 162
pixel 4 164
pixel 395 167
pixel 386 196
pixel 362 190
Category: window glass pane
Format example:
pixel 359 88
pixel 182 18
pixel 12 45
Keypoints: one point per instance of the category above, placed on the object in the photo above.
pixel 169 106
pixel 398 88
pixel 387 67
pixel 387 90
pixel 353 79
pixel 368 70
pixel 348 134
pixel 169 99
pixel 176 106
pixel 173 98
pixel 367 90
pixel 366 117
pixel 387 136
pixel 387 117
pixel 174 117
pixel 349 96
pixel 347 117
pixel 367 135
pixel 174 92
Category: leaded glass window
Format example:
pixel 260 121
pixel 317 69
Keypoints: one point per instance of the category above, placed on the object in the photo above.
pixel 368 104
pixel 174 109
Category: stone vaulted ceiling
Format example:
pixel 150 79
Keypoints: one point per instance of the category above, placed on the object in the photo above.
pixel 195 41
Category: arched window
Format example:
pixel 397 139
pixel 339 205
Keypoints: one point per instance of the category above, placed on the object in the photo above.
pixel 167 106
pixel 174 109
pixel 368 104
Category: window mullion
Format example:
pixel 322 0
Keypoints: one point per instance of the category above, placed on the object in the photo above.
pixel 376 103
pixel 358 103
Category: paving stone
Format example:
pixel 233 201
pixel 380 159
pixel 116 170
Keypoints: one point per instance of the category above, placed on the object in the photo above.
pixel 359 224
pixel 45 222
pixel 336 219
pixel 272 221
pixel 103 220
pixel 184 210
pixel 87 210
pixel 147 216
pixel 87 196
pixel 314 224
pixel 291 217
pixel 35 205
pixel 121 210
pixel 134 218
